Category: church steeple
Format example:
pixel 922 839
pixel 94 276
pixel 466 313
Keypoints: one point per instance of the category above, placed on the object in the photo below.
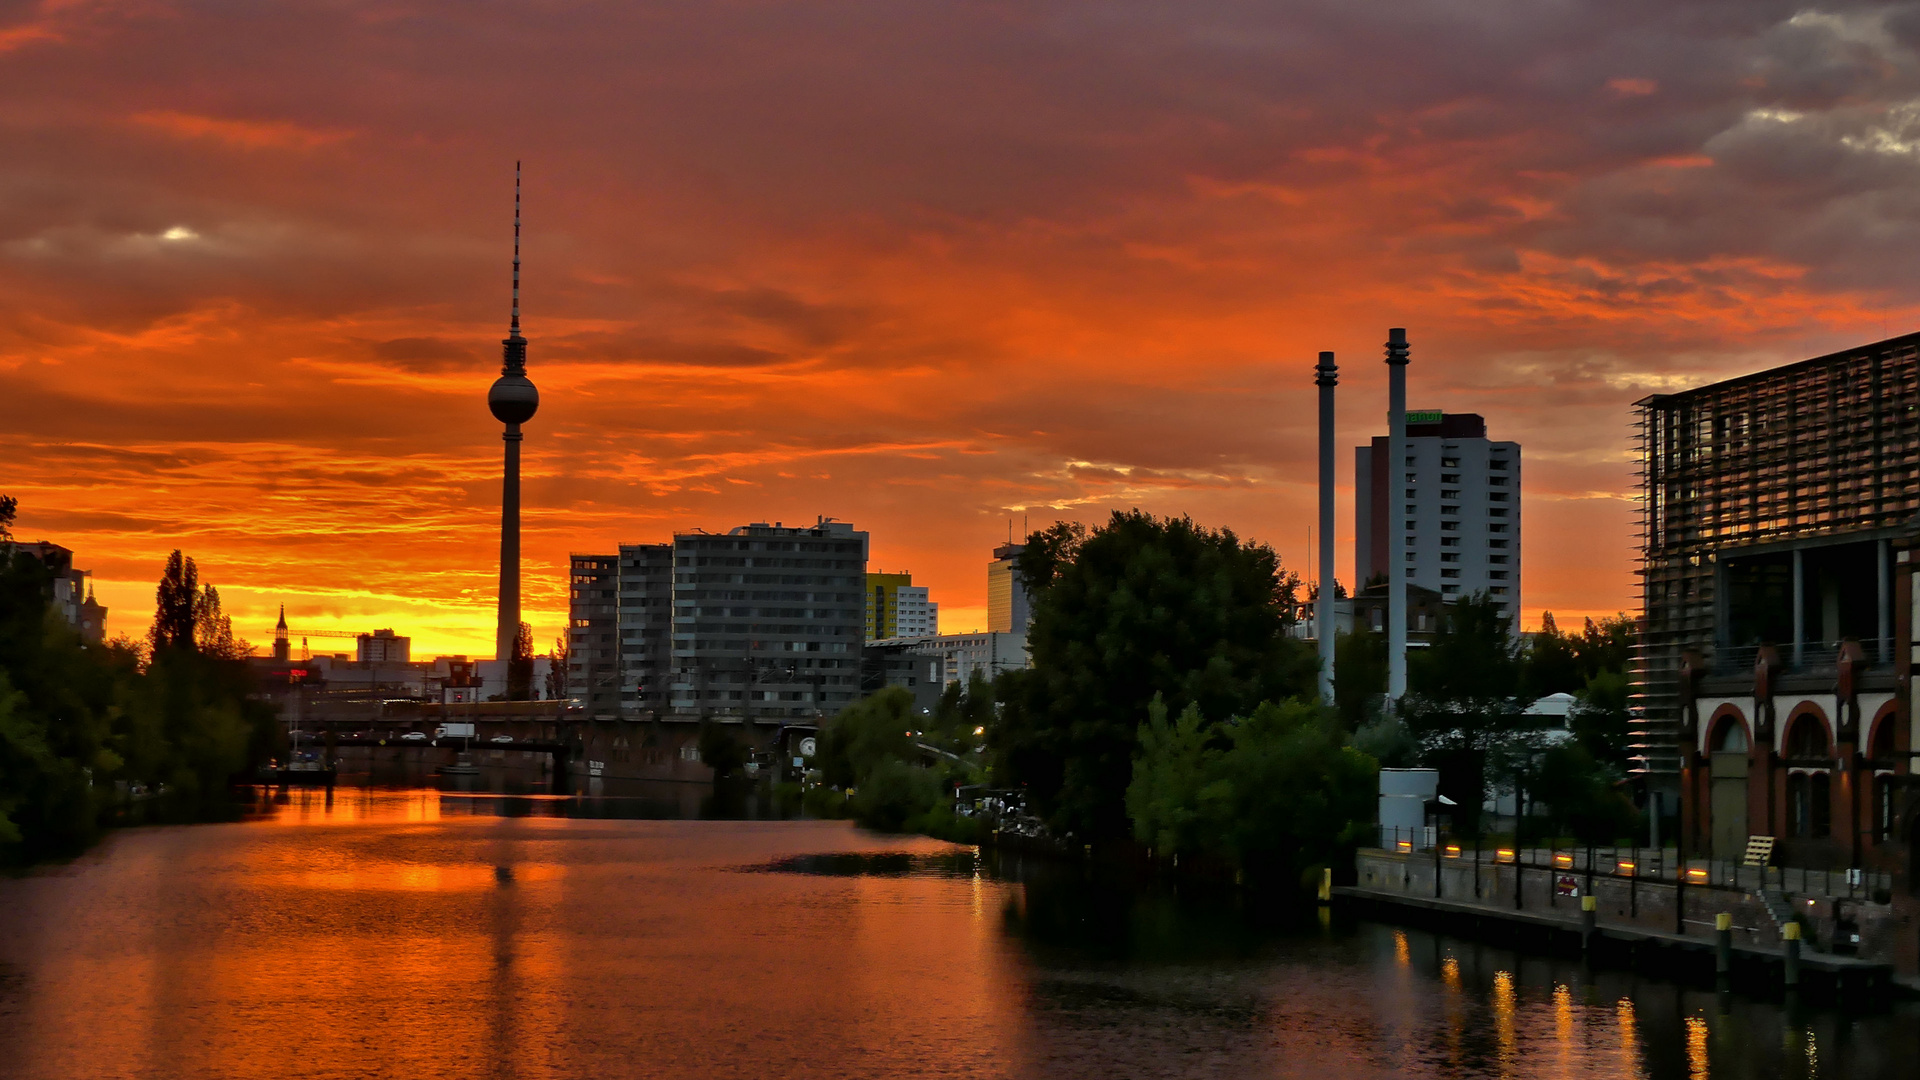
pixel 281 650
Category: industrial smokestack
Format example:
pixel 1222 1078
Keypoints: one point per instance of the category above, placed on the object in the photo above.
pixel 1325 375
pixel 1396 516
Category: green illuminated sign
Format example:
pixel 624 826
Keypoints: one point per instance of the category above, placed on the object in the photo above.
pixel 1423 416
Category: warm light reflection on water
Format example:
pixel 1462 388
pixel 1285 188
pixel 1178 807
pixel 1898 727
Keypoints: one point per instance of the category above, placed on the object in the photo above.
pixel 1696 1048
pixel 1503 1010
pixel 411 934
pixel 1629 1040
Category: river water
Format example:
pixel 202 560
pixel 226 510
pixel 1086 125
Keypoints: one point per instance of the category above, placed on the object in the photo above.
pixel 423 934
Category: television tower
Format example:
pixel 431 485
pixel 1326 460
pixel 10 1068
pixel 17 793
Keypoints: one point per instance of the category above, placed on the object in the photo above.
pixel 513 401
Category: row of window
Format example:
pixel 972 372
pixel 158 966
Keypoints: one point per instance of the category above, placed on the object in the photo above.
pixel 1454 493
pixel 686 610
pixel 1499 464
pixel 1454 557
pixel 760 579
pixel 1454 511
pixel 682 645
pixel 816 564
pixel 844 547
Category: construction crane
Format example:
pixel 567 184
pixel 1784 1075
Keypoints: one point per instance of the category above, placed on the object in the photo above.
pixel 281 635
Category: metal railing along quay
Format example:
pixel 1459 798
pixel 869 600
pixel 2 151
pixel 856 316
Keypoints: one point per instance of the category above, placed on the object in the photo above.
pixel 1586 863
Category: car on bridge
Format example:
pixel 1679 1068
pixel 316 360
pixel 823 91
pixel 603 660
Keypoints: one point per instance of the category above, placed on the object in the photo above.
pixel 414 736
pixel 501 739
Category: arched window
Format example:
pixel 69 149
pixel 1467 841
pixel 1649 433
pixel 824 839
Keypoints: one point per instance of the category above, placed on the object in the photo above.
pixel 1729 736
pixel 1883 782
pixel 1809 804
pixel 1882 749
pixel 1809 793
pixel 1807 739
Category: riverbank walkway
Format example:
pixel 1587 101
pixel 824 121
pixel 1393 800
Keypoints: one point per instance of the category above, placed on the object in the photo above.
pixel 1640 918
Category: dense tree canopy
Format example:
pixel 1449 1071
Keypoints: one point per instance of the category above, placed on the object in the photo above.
pixel 1271 793
pixel 1138 608
pixel 84 728
pixel 898 765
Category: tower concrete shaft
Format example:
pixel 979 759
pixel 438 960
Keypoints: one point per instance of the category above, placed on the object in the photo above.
pixel 509 628
pixel 1326 374
pixel 1396 516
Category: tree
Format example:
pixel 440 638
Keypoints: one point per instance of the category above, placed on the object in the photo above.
pixel 213 630
pixel 861 737
pixel 176 604
pixel 1359 675
pixel 1599 718
pixel 9 509
pixel 1142 606
pixel 1461 699
pixel 520 665
pixel 78 719
pixel 719 750
pixel 1607 646
pixel 1268 794
pixel 876 749
pixel 557 672
pixel 1552 662
pixel 1582 797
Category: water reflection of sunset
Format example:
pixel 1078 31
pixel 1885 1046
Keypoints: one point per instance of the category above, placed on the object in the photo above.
pixel 381 935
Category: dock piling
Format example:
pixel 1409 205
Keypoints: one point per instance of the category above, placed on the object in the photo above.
pixel 1589 914
pixel 1723 944
pixel 1790 945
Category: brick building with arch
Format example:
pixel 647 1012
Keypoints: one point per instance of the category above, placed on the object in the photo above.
pixel 1774 697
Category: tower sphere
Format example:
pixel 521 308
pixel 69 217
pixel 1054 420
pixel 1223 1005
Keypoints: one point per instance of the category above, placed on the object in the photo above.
pixel 513 399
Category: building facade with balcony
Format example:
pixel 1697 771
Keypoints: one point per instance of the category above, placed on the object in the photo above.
pixel 1772 692
pixel 1458 497
pixel 761 623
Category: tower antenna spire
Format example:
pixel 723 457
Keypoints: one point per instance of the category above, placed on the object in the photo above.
pixel 514 329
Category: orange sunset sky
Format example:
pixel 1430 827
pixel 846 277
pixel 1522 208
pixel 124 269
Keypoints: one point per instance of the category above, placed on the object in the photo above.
pixel 917 266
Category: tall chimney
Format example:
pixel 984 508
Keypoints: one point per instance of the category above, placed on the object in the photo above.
pixel 1325 375
pixel 1396 516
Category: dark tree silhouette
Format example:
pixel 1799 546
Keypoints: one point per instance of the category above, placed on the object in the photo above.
pixel 176 606
pixel 1142 606
pixel 557 669
pixel 520 666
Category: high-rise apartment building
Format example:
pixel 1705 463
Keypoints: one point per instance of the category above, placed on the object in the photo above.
pixel 593 659
pixel 382 647
pixel 762 622
pixel 896 607
pixel 917 614
pixel 645 653
pixel 1460 493
pixel 1007 609
pixel 883 602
